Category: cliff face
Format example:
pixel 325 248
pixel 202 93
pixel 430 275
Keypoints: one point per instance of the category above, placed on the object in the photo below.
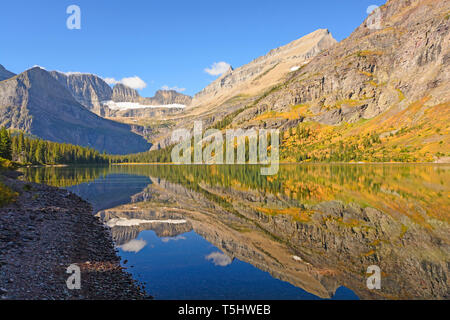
pixel 373 70
pixel 163 97
pixel 37 103
pixel 5 74
pixel 122 93
pixel 88 89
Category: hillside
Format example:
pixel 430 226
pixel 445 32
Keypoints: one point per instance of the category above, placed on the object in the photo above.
pixel 379 95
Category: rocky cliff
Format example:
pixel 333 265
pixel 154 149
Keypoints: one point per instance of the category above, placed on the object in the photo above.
pixel 164 97
pixel 122 93
pixel 35 102
pixel 88 89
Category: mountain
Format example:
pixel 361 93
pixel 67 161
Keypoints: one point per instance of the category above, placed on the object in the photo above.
pixel 382 94
pixel 35 102
pixel 240 87
pixel 95 94
pixel 5 74
pixel 122 93
pixel 267 70
pixel 391 83
pixel 374 70
pixel 165 97
pixel 88 89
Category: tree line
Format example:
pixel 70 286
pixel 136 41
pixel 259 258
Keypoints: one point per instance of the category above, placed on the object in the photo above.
pixel 29 150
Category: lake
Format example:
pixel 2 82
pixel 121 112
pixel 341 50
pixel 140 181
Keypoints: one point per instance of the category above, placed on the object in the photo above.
pixel 309 232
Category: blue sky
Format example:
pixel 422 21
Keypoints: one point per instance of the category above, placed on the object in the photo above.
pixel 164 43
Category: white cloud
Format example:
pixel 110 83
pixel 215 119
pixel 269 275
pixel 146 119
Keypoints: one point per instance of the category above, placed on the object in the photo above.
pixel 173 88
pixel 168 239
pixel 132 82
pixel 110 81
pixel 219 259
pixel 218 68
pixel 133 246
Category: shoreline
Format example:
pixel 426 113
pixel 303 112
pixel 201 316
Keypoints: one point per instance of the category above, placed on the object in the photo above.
pixel 43 232
pixel 280 163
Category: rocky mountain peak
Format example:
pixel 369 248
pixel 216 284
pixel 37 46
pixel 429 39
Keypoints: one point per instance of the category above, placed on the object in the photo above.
pixel 266 70
pixel 122 93
pixel 38 79
pixel 88 89
pixel 164 97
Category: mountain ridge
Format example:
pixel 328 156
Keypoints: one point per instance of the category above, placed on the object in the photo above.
pixel 35 102
pixel 122 93
pixel 369 65
pixel 392 82
pixel 88 89
pixel 93 92
pixel 277 61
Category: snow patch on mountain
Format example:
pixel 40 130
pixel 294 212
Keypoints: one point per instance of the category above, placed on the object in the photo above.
pixel 133 105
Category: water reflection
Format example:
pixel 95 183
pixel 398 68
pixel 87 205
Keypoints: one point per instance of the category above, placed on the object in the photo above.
pixel 316 227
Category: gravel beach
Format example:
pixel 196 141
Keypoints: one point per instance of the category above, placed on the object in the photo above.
pixel 43 232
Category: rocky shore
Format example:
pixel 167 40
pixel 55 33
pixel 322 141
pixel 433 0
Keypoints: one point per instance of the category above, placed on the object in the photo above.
pixel 45 231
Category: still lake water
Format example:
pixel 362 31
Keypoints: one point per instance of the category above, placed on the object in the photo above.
pixel 309 232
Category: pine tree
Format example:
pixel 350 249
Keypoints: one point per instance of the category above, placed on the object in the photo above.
pixel 5 144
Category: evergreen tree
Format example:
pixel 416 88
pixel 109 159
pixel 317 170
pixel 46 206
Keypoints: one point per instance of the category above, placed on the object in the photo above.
pixel 5 144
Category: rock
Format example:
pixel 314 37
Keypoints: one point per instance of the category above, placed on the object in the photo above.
pixel 33 264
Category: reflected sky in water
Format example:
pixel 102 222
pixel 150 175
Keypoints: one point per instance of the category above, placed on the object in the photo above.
pixel 309 232
pixel 189 267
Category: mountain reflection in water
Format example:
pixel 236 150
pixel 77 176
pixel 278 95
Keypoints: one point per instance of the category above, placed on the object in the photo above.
pixel 315 227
